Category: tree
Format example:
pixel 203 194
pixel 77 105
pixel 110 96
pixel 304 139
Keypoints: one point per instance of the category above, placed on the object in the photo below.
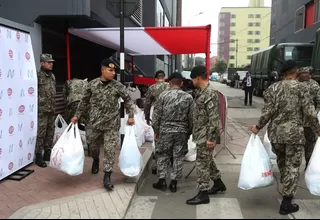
pixel 199 61
pixel 221 66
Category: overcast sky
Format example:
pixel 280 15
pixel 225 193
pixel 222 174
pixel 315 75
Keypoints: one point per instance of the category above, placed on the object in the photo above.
pixel 210 9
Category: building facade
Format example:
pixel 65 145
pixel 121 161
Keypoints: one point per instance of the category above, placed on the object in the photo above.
pixel 256 3
pixel 242 31
pixel 294 20
pixel 48 22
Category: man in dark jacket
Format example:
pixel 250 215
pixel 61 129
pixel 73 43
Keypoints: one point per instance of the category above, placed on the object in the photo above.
pixel 248 86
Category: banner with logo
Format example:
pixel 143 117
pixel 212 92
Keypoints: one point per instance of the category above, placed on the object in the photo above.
pixel 18 101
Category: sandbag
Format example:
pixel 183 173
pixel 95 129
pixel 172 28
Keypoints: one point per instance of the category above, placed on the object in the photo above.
pixel 256 167
pixel 130 156
pixel 67 155
pixel 312 174
pixel 268 147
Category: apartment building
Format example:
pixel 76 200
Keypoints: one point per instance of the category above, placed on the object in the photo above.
pixel 242 31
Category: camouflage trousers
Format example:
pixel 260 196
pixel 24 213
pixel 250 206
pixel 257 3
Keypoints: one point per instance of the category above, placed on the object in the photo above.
pixel 45 131
pixel 289 158
pixel 206 167
pixel 311 139
pixel 171 145
pixel 108 140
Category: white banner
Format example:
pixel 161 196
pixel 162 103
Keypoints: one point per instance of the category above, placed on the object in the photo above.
pixel 18 101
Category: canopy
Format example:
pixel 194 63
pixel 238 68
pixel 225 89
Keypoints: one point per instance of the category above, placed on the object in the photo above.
pixel 151 40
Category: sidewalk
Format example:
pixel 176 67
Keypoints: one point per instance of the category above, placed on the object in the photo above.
pixel 48 193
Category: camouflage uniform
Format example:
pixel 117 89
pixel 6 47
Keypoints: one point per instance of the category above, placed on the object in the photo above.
pixel 46 107
pixel 172 120
pixel 205 128
pixel 100 101
pixel 285 104
pixel 73 93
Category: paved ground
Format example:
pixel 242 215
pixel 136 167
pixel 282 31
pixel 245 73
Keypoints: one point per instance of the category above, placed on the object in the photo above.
pixel 53 194
pixel 235 203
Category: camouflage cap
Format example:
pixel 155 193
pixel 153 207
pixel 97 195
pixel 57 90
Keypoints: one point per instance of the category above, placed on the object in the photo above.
pixel 306 69
pixel 46 57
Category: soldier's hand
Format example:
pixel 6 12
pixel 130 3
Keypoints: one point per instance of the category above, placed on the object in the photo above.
pixel 74 120
pixel 254 129
pixel 148 122
pixel 130 121
pixel 211 145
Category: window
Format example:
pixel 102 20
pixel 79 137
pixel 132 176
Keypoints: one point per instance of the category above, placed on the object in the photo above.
pixel 222 15
pixel 257 40
pixel 249 41
pixel 249 49
pixel 166 21
pixel 249 57
pixel 250 15
pixel 221 32
pixel 231 57
pixel 232 40
pixel 250 32
pixel 233 33
pixel 250 24
pixel 232 49
pixel 299 19
pixel 221 24
pixel 257 32
pixel 231 65
pixel 258 15
pixel 257 24
pixel 256 48
pixel 160 14
pixel 298 53
pixel 233 24
pixel 233 16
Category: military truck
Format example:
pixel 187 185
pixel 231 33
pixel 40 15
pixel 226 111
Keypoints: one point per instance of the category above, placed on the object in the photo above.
pixel 315 63
pixel 267 63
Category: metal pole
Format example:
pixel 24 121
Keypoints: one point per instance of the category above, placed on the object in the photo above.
pixel 236 53
pixel 122 56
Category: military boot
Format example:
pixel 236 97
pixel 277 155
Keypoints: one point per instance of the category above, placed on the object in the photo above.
pixel 161 185
pixel 201 198
pixel 95 166
pixel 173 186
pixel 218 186
pixel 39 161
pixel 287 207
pixel 107 181
pixel 47 155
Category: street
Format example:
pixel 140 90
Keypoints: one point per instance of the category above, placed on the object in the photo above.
pixel 234 203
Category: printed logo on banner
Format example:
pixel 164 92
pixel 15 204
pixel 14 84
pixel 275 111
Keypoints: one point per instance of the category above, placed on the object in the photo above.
pixel 29 156
pixel 27 56
pixel 1 172
pixel 1 93
pixel 0 152
pixel 10 54
pixel 10 112
pixel 10 73
pixel 0 74
pixel 21 161
pixel 20 127
pixel 9 92
pixel 10 166
pixel 0 134
pixel 11 130
pixel 26 38
pixel 31 125
pixel 30 74
pixel 31 91
pixel 8 34
pixel 18 36
pixel 21 109
pixel 0 113
pixel 31 141
pixel 31 107
pixel 22 93
pixel 21 144
pixel 10 148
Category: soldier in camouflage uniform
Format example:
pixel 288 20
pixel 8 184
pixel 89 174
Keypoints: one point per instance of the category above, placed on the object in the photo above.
pixel 304 75
pixel 205 134
pixel 286 103
pixel 172 124
pixel 46 109
pixel 100 101
pixel 152 95
pixel 73 93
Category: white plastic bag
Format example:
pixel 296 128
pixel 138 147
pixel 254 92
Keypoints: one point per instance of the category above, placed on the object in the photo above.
pixel 256 167
pixel 318 116
pixel 149 133
pixel 192 151
pixel 68 154
pixel 312 175
pixel 130 156
pixel 268 146
pixel 153 147
pixel 59 128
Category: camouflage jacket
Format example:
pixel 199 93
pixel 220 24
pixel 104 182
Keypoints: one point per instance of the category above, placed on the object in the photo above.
pixel 46 91
pixel 314 89
pixel 173 112
pixel 152 95
pixel 73 90
pixel 206 115
pixel 286 102
pixel 101 102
